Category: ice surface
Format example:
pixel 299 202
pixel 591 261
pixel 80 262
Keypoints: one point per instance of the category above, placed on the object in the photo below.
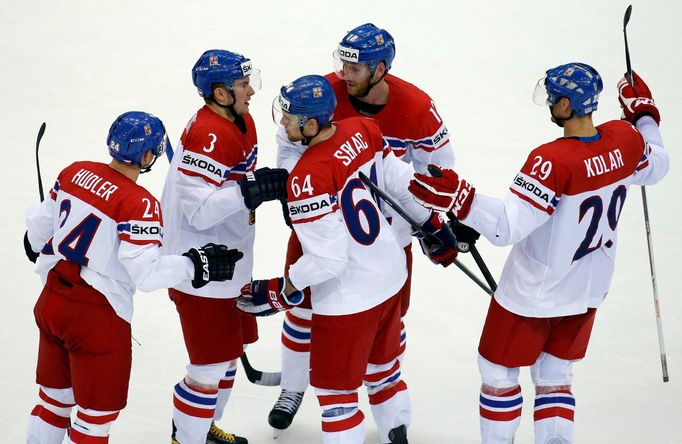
pixel 77 65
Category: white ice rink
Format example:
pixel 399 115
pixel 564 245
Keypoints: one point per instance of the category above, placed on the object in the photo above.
pixel 78 64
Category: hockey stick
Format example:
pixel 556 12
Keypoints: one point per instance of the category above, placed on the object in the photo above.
pixel 418 228
pixel 647 226
pixel 41 132
pixel 258 377
pixel 472 248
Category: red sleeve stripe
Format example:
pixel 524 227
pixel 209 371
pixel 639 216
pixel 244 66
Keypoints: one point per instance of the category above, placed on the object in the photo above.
pixel 202 176
pixel 335 207
pixel 549 210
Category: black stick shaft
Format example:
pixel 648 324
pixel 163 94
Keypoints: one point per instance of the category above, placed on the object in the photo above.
pixel 41 131
pixel 417 227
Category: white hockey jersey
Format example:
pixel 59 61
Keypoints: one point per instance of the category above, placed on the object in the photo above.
pixel 100 219
pixel 410 124
pixel 202 201
pixel 561 214
pixel 351 259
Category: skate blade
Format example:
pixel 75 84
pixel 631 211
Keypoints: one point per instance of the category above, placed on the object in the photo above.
pixel 277 432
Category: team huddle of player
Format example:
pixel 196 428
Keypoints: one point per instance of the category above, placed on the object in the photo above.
pixel 346 281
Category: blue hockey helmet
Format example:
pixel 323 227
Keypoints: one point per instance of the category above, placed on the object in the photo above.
pixel 133 134
pixel 220 66
pixel 308 97
pixel 578 82
pixel 367 44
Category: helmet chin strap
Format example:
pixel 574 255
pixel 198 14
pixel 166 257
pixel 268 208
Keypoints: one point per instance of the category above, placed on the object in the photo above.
pixel 238 120
pixel 148 168
pixel 371 85
pixel 560 121
pixel 306 139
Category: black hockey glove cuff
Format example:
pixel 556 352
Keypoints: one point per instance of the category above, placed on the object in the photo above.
pixel 30 254
pixel 466 236
pixel 263 185
pixel 212 262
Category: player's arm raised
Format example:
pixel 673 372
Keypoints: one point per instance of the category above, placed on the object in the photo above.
pixel 640 109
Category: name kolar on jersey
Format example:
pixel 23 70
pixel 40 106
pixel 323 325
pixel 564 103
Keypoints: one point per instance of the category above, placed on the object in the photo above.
pixel 311 207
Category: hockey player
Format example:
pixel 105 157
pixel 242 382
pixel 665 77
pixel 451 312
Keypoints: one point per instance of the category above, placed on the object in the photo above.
pixel 561 214
pixel 352 261
pixel 99 235
pixel 211 193
pixel 410 123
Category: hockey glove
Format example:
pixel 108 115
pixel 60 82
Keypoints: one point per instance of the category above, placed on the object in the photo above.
pixel 440 245
pixel 212 262
pixel 443 193
pixel 263 185
pixel 266 297
pixel 636 101
pixel 466 236
pixel 30 254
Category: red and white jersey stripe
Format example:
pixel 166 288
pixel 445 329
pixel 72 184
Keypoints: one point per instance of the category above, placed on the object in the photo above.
pixel 351 259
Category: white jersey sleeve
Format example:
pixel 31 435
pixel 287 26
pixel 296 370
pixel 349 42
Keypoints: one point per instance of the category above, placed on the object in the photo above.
pixel 203 204
pixel 149 270
pixel 444 157
pixel 655 161
pixel 326 255
pixel 397 176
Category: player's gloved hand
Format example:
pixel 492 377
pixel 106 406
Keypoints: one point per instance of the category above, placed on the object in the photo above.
pixel 440 245
pixel 285 213
pixel 443 191
pixel 212 262
pixel 30 254
pixel 263 185
pixel 636 101
pixel 466 236
pixel 267 296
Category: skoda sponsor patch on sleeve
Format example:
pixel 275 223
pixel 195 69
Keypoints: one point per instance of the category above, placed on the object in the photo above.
pixel 312 207
pixel 204 166
pixel 142 231
pixel 533 191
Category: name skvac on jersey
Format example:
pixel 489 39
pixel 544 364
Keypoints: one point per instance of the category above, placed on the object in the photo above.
pixel 340 225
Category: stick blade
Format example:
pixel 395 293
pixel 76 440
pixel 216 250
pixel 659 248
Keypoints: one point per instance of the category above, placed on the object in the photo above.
pixel 626 17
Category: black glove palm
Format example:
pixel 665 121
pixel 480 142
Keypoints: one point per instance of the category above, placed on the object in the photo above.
pixel 212 262
pixel 263 185
pixel 466 236
pixel 30 254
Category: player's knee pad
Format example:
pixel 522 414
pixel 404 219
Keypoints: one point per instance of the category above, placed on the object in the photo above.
pixel 207 376
pixel 379 377
pixel 497 376
pixel 94 422
pixel 62 396
pixel 550 371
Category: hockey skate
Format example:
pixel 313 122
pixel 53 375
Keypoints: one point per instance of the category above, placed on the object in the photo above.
pixel 218 436
pixel 282 414
pixel 398 435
